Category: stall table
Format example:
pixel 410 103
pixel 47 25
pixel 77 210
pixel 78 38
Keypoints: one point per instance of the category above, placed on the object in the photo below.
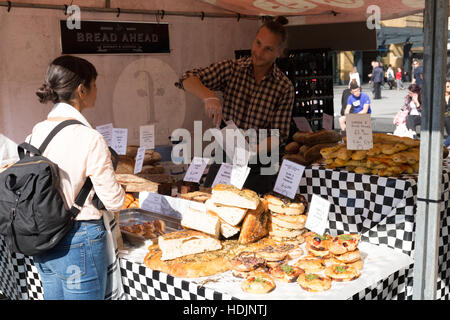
pixel 381 209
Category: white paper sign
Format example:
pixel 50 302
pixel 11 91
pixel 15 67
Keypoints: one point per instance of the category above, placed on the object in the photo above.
pixel 359 131
pixel 106 131
pixel 147 136
pixel 232 140
pixel 119 140
pixel 139 160
pixel 302 124
pixel 223 176
pixel 317 219
pixel 288 178
pixel 196 169
pixel 327 121
pixel 239 175
pixel 150 201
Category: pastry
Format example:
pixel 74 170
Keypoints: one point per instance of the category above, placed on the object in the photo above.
pixel 344 243
pixel 285 273
pixel 258 283
pixel 247 261
pixel 311 264
pixel 313 282
pixel 339 272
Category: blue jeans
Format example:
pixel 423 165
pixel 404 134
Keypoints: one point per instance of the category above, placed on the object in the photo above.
pixel 76 268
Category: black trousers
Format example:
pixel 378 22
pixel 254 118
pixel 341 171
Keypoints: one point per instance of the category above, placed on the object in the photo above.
pixel 377 90
pixel 412 121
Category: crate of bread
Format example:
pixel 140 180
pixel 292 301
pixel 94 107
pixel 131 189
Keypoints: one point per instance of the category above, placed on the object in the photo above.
pixel 305 147
pixel 390 156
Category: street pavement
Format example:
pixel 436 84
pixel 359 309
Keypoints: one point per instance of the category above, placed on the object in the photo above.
pixel 383 110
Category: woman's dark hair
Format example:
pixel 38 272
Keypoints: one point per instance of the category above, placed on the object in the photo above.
pixel 414 88
pixel 276 26
pixel 63 77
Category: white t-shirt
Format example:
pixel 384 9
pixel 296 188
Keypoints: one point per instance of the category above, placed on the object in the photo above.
pixel 414 111
pixel 356 77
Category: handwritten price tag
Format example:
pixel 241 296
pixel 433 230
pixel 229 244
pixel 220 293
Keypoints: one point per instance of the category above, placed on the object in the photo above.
pixel 147 136
pixel 289 178
pixel 359 131
pixel 139 160
pixel 196 169
pixel 119 140
pixel 223 176
pixel 302 124
pixel 317 219
pixel 106 131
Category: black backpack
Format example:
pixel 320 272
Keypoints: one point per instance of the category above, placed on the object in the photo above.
pixel 33 218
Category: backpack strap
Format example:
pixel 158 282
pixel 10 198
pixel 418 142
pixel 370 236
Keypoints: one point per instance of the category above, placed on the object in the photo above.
pixel 81 197
pixel 32 149
pixel 53 133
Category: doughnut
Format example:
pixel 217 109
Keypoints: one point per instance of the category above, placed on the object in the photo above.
pixel 285 272
pixel 258 283
pixel 310 264
pixel 313 282
pixel 339 272
pixel 246 261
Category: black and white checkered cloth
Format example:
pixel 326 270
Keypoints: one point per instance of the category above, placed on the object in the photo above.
pixel 382 210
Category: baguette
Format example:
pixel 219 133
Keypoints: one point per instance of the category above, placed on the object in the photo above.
pixel 322 136
pixel 313 154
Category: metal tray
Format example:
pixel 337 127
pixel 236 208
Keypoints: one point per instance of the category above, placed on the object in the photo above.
pixel 128 217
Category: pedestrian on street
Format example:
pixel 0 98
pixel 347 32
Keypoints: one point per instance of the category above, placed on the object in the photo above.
pixel 377 79
pixel 358 102
pixel 413 105
pixel 398 78
pixel 417 73
pixel 390 77
pixel 447 112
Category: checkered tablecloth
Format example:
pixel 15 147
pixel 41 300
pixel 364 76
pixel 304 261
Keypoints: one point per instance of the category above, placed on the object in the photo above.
pixel 382 210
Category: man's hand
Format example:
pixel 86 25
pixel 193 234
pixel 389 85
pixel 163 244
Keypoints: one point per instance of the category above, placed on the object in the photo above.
pixel 213 110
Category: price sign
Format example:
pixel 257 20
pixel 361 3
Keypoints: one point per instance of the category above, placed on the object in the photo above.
pixel 139 160
pixel 327 121
pixel 318 215
pixel 359 131
pixel 119 140
pixel 147 136
pixel 302 124
pixel 196 169
pixel 106 132
pixel 289 178
pixel 239 175
pixel 223 176
pixel 150 201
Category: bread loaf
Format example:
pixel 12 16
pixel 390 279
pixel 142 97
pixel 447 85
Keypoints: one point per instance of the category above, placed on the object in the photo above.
pixel 231 215
pixel 322 136
pixel 201 221
pixel 255 225
pixel 292 147
pixel 229 195
pixel 313 153
pixel 185 242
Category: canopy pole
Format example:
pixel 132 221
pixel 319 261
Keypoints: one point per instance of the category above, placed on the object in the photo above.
pixel 431 148
pixel 108 9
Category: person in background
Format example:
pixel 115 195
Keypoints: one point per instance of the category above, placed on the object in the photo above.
pixel 354 75
pixel 390 77
pixel 377 79
pixel 76 268
pixel 398 78
pixel 447 113
pixel 417 73
pixel 413 106
pixel 358 102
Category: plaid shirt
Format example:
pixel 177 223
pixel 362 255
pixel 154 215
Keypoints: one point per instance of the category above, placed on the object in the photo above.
pixel 264 105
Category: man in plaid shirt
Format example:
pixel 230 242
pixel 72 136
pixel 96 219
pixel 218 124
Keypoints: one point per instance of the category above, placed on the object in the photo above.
pixel 256 94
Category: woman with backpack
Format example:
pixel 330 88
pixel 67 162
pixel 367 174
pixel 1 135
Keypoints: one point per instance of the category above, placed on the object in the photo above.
pixel 76 268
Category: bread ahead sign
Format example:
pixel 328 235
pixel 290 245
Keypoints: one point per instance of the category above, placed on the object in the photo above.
pixel 108 37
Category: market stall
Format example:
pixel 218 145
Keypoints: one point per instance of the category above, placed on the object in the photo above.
pixel 389 222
